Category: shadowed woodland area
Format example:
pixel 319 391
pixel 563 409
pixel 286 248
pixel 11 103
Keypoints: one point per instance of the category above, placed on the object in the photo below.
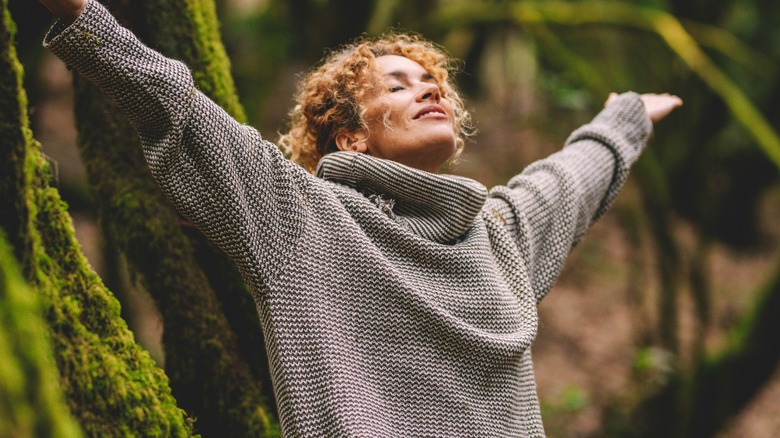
pixel 666 321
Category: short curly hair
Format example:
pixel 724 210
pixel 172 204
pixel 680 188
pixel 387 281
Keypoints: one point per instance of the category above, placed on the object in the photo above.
pixel 330 97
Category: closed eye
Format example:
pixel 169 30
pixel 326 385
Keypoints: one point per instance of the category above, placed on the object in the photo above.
pixel 396 88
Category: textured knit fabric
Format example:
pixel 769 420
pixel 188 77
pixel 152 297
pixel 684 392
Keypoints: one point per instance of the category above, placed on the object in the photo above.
pixel 394 302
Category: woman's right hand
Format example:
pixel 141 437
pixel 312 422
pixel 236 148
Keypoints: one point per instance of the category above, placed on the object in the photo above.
pixel 65 10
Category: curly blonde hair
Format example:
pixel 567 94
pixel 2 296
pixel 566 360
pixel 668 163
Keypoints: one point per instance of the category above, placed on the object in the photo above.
pixel 330 97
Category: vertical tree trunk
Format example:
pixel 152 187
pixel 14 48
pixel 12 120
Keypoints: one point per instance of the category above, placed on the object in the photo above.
pixel 112 385
pixel 655 197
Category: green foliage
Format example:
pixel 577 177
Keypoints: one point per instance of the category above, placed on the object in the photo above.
pixel 259 45
pixel 558 413
pixel 658 22
pixel 653 367
pixel 574 399
pixel 114 387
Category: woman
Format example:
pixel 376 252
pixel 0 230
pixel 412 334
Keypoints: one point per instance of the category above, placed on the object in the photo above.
pixel 394 301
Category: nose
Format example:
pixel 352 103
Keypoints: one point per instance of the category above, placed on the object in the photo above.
pixel 429 92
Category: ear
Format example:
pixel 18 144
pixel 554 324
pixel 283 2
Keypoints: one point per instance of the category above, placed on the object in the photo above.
pixel 352 141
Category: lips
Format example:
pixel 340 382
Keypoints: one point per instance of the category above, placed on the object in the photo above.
pixel 431 110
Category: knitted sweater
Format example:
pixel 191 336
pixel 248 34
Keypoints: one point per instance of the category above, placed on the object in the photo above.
pixel 394 302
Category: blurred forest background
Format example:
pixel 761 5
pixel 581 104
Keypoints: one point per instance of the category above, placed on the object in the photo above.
pixel 665 321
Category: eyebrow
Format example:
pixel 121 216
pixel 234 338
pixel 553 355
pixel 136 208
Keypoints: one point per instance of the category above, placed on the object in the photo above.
pixel 402 75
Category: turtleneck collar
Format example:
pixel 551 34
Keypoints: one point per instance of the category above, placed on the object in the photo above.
pixel 437 207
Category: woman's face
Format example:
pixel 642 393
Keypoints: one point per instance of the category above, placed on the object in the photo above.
pixel 421 131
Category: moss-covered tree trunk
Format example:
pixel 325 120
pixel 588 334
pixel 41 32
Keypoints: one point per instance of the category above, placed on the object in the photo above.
pixel 112 386
pixel 214 352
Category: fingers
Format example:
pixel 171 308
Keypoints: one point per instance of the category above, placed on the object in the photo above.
pixel 658 106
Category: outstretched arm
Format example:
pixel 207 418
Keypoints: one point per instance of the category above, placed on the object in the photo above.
pixel 548 207
pixel 235 186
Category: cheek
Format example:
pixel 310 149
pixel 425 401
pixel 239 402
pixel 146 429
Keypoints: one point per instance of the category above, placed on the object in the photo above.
pixel 376 110
pixel 390 117
pixel 453 116
pixel 448 107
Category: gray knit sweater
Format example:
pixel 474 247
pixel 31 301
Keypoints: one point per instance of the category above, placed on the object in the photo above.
pixel 394 302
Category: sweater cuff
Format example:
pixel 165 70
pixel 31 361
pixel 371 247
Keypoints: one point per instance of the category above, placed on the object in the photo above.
pixel 623 125
pixel 75 43
pixel 623 128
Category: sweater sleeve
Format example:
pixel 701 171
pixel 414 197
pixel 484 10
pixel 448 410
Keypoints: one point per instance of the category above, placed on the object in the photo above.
pixel 548 207
pixel 221 175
